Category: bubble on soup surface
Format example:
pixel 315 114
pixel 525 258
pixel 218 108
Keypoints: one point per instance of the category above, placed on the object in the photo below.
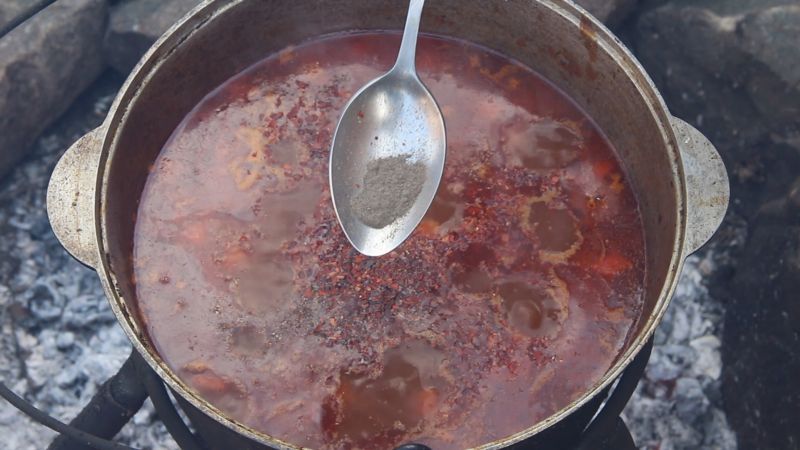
pixel 543 143
pixel 556 230
pixel 531 309
pixel 469 267
pixel 376 411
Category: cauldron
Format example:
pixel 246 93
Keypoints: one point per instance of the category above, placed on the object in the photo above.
pixel 679 178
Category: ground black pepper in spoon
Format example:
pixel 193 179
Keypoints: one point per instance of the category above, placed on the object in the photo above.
pixel 389 190
pixel 393 118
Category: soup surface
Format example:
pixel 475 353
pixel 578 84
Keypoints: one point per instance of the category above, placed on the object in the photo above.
pixel 514 295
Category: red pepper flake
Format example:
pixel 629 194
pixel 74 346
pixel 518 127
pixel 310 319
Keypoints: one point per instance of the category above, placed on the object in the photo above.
pixel 613 264
pixel 593 202
pixel 603 168
pixel 616 183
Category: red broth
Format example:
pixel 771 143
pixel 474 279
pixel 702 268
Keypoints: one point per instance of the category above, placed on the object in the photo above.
pixel 511 299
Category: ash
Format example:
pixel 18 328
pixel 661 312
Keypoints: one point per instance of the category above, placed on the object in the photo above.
pixel 678 404
pixel 59 340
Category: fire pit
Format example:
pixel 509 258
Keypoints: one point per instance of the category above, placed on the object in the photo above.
pixel 668 363
pixel 89 203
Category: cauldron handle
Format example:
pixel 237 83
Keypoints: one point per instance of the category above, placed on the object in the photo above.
pixel 71 198
pixel 707 186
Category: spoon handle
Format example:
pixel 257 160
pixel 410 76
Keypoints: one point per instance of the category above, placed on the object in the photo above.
pixel 408 48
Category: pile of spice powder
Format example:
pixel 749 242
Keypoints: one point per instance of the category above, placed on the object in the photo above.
pixel 390 187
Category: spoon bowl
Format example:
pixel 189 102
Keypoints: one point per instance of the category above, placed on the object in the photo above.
pixel 392 116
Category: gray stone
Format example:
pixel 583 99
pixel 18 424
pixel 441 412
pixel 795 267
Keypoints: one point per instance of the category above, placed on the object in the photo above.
pixel 5 296
pixel 610 12
pixel 680 326
pixel 26 342
pixel 45 302
pixel 11 9
pixel 690 401
pixel 718 435
pixel 729 67
pixel 136 24
pixel 40 368
pixel 85 310
pixel 772 38
pixel 679 354
pixel 761 341
pixel 662 368
pixel 708 360
pixel 44 64
pixel 678 434
pixel 65 340
pixel 67 377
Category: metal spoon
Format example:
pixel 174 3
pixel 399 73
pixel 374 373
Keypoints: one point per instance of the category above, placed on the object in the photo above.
pixel 393 115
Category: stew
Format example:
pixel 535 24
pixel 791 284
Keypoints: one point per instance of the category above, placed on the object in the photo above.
pixel 511 299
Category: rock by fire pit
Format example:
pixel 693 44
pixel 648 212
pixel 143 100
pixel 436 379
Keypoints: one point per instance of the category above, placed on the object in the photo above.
pixel 135 25
pixel 44 64
pixel 731 68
